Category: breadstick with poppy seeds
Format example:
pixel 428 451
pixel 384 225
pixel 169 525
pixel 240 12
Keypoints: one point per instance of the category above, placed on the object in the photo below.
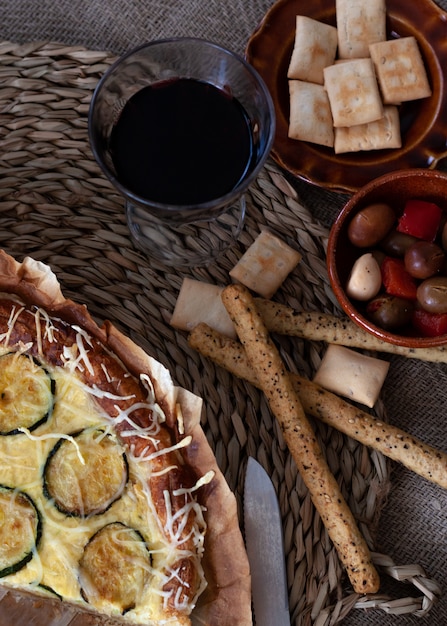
pixel 283 320
pixel 393 442
pixel 300 438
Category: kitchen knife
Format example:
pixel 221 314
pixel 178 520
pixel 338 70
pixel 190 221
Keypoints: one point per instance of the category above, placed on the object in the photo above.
pixel 265 548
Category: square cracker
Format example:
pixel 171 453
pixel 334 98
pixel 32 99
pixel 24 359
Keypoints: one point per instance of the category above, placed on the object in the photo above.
pixel 310 113
pixel 265 264
pixel 400 70
pixel 351 374
pixel 379 135
pixel 198 302
pixel 359 23
pixel 315 47
pixel 353 92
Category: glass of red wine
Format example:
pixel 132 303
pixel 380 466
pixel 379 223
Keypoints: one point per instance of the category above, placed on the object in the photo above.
pixel 181 127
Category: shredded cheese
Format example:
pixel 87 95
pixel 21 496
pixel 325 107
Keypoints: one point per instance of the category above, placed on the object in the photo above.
pixel 49 329
pixel 58 436
pixel 15 313
pixel 204 480
pixel 81 337
pixel 76 407
pixel 181 444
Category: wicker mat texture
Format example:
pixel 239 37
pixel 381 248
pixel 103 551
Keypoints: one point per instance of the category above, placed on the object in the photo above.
pixel 56 206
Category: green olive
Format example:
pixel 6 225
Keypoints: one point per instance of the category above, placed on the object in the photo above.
pixel 389 312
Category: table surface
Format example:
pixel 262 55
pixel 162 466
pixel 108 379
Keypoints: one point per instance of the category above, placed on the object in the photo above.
pixel 413 522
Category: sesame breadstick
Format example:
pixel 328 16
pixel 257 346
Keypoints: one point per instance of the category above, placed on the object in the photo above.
pixel 396 444
pixel 300 438
pixel 281 319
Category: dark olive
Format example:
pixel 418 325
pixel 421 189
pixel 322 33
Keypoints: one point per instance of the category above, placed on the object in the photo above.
pixel 432 294
pixel 370 225
pixel 389 312
pixel 424 259
pixel 444 237
pixel 396 244
pixel 379 255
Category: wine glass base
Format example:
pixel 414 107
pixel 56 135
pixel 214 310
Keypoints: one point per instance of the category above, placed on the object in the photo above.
pixel 194 244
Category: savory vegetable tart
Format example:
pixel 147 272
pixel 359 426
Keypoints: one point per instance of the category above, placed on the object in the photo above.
pixel 110 496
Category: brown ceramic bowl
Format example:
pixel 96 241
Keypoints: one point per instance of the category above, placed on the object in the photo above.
pixel 423 122
pixel 394 189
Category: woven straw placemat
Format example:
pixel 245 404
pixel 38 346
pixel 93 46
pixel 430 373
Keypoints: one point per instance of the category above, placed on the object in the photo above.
pixel 57 207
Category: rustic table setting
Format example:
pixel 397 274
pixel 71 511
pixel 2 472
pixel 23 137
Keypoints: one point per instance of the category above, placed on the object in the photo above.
pixel 56 206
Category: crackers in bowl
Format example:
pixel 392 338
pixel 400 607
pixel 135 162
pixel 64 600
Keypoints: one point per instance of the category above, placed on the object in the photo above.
pixel 342 90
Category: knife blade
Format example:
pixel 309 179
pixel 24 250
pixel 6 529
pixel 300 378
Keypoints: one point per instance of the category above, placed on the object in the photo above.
pixel 265 548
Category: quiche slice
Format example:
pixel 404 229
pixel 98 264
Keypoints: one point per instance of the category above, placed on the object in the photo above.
pixel 111 501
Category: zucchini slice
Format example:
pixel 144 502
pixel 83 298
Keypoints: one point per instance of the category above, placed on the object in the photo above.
pixel 48 591
pixel 114 568
pixel 85 473
pixel 20 530
pixel 26 393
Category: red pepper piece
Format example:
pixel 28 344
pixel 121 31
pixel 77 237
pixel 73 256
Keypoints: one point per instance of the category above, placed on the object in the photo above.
pixel 420 219
pixel 396 280
pixel 429 324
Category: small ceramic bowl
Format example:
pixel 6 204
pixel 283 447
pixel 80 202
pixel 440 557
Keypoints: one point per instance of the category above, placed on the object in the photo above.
pixel 395 189
pixel 423 122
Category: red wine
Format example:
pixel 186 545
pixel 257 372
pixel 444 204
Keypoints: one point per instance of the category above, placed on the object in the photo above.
pixel 181 141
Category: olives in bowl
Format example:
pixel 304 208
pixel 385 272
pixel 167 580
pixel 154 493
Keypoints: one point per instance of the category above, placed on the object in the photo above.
pixel 387 257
